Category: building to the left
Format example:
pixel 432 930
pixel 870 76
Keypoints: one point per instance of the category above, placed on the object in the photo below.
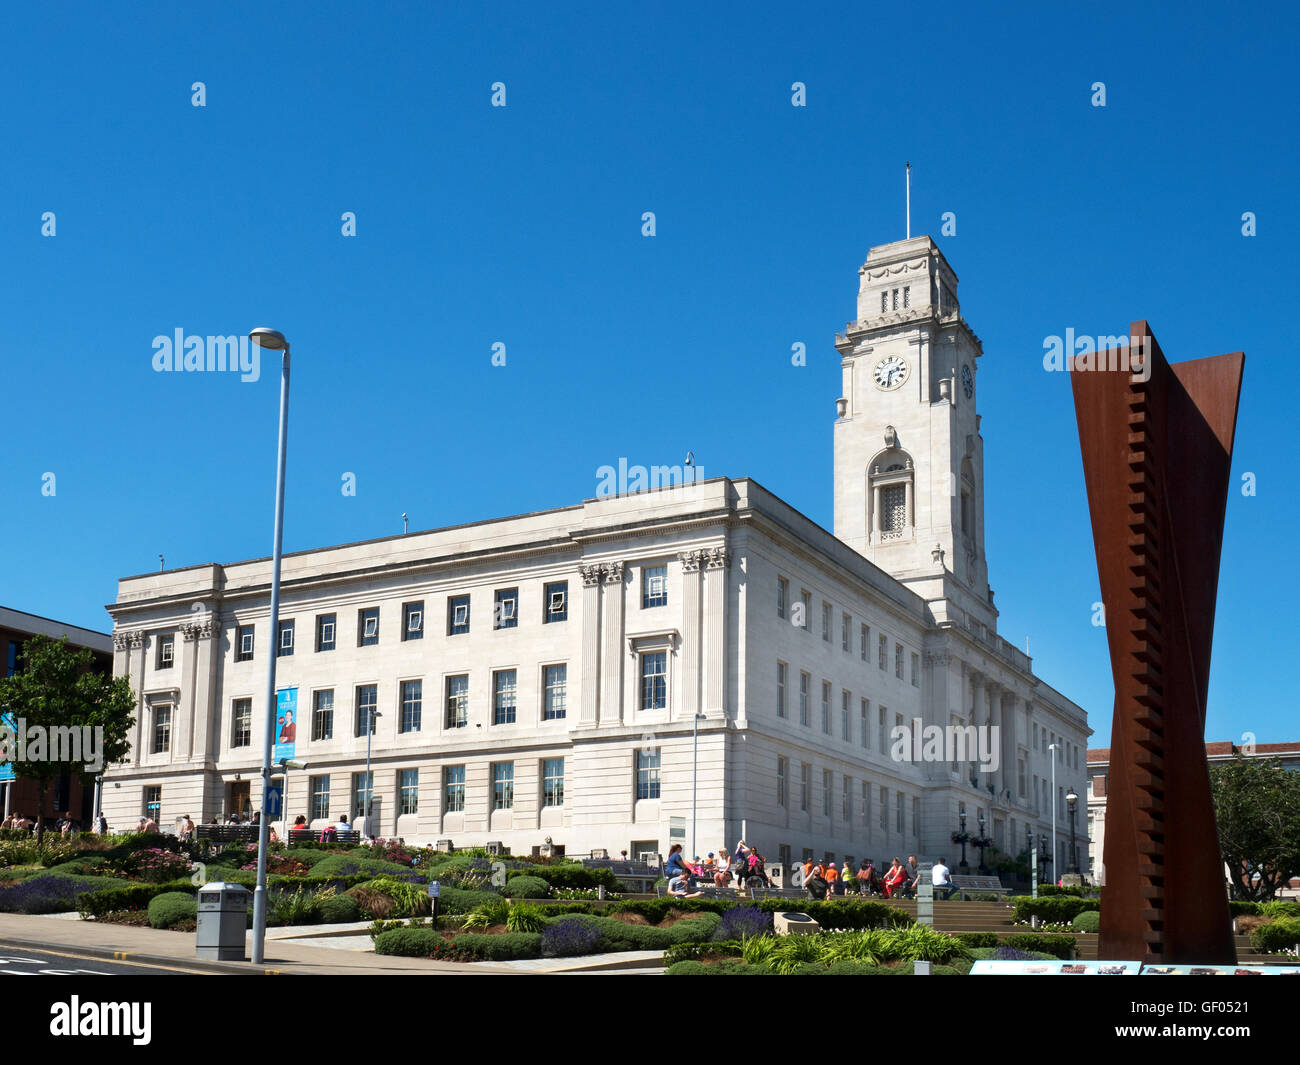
pixel 66 793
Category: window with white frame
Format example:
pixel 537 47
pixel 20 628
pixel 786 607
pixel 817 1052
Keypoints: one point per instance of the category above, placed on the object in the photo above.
pixel 647 773
pixel 322 714
pixel 828 781
pixel 320 797
pixel 866 724
pixel 898 661
pixel 555 688
pixel 846 623
pixel 368 626
pixel 454 789
pixel 244 643
pixel 654 586
pixel 654 680
pixel 884 809
pixel 805 785
pixel 826 621
pixel 826 707
pixel 555 598
pixel 408 791
pixel 413 621
pixel 782 772
pixel 846 800
pixel 552 782
pixel 781 671
pixel 805 598
pixel 804 683
pixel 284 645
pixel 866 804
pixel 166 651
pixel 363 786
pixel 916 670
pixel 367 703
pixel 503 785
pixel 325 626
pixel 241 722
pixel 457 615
pixel 412 705
pixel 883 643
pixel 457 701
pixel 898 813
pixel 782 596
pixel 864 638
pixel 505 609
pixel 504 692
pixel 884 730
pixel 846 697
pixel 162 728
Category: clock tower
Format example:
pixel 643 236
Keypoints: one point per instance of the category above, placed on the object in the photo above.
pixel 909 459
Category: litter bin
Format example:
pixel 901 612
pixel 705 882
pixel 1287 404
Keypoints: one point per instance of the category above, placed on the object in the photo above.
pixel 223 921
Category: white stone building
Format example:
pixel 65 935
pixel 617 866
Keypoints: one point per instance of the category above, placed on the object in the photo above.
pixel 546 675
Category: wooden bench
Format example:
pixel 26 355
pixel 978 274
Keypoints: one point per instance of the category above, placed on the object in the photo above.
pixel 977 885
pixel 638 874
pixel 312 835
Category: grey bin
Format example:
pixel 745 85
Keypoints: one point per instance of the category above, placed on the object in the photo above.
pixel 223 920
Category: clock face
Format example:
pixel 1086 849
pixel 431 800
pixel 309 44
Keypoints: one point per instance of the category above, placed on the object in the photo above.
pixel 967 382
pixel 890 372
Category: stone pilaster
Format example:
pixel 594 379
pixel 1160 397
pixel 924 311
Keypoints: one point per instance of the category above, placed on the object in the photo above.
pixel 690 652
pixel 611 688
pixel 715 631
pixel 590 698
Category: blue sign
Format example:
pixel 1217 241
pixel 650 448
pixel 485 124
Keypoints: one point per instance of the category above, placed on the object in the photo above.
pixel 286 723
pixel 272 803
pixel 7 765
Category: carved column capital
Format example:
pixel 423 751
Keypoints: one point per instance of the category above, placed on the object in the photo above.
pixel 691 560
pixel 136 639
pixel 719 558
pixel 591 575
pixel 613 573
pixel 191 632
pixel 120 641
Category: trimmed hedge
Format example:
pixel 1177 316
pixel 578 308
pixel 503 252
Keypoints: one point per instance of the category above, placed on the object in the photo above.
pixel 1057 909
pixel 171 908
pixel 617 936
pixel 1276 936
pixel 693 951
pixel 1059 946
pixel 346 865
pixel 505 947
pixel 842 913
pixel 339 909
pixel 839 968
pixel 526 887
pixel 410 943
pixel 129 897
pixel 1088 921
pixel 1076 891
pixel 458 900
pixel 977 940
pixel 51 894
pixel 569 876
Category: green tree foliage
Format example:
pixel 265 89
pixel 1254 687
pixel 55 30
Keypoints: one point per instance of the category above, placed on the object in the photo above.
pixel 58 689
pixel 1257 807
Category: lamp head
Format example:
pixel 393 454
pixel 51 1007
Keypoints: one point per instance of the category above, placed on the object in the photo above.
pixel 268 339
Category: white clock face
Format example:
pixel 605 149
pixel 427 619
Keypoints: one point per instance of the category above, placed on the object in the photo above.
pixel 967 382
pixel 890 372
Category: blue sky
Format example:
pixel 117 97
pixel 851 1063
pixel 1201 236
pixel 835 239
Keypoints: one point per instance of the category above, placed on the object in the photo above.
pixel 522 225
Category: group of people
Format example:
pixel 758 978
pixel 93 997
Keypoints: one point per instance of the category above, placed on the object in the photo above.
pixel 821 879
pixel 63 824
pixel 723 868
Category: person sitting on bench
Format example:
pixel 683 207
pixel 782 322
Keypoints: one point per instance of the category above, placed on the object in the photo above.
pixel 941 878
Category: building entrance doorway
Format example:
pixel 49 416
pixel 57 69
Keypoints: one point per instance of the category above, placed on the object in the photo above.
pixel 238 799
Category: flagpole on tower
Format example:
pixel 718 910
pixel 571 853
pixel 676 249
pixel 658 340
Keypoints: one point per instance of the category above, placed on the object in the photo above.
pixel 909 201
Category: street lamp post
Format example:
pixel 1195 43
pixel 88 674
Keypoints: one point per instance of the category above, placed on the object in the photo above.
pixel 1042 846
pixel 371 714
pixel 695 773
pixel 285 765
pixel 1054 747
pixel 271 340
pixel 1071 800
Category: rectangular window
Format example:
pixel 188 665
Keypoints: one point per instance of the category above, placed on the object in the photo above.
pixel 916 817
pixel 153 801
pixel 898 814
pixel 454 799
pixel 826 621
pixel 408 791
pixel 505 608
pixel 884 809
pixel 322 714
pixel 555 682
pixel 363 785
pixel 907 295
pixel 457 701
pixel 325 625
pixel 504 691
pixel 828 782
pixel 413 621
pixel 781 670
pixel 846 800
pixel 368 627
pixel 805 597
pixel 916 670
pixel 782 596
pixel 898 660
pixel 241 717
pixel 884 651
pixel 654 586
pixel 805 785
pixel 457 615
pixel 845 699
pixel 804 682
pixel 1035 735
pixel 162 729
pixel 866 804
pixel 553 782
pixel 244 643
pixel 166 651
pixel 884 730
pixel 412 705
pixel 284 645
pixel 366 705
pixel 15 656
pixel 320 798
pixel 866 724
pixel 647 774
pixel 654 680
pixel 1020 776
pixel 782 772
pixel 555 602
pixel 846 622
pixel 826 706
pixel 884 301
pixel 864 638
pixel 503 785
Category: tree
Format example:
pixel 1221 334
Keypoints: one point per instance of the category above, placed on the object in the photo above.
pixel 1257 807
pixel 54 699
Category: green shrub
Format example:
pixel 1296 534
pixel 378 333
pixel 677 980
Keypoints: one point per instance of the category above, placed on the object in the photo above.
pixel 693 951
pixel 527 887
pixel 697 929
pixel 1088 921
pixel 1074 890
pixel 295 907
pixel 1276 936
pixel 1059 946
pixel 409 899
pixel 127 897
pixel 457 900
pixel 843 913
pixel 525 918
pixel 309 856
pixel 1279 908
pixel 977 940
pixel 171 908
pixel 1058 909
pixel 339 909
pixel 722 968
pixel 569 876
pixel 351 865
pixel 504 947
pixel 655 910
pixel 411 943
pixel 1242 908
pixel 485 915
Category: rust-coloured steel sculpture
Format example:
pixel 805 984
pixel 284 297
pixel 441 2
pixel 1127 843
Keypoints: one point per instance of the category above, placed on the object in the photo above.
pixel 1157 457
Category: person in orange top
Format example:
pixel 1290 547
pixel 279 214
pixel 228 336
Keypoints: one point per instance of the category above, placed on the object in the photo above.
pixel 896 876
pixel 832 876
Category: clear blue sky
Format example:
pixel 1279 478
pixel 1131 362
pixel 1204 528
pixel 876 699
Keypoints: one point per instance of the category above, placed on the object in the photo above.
pixel 522 225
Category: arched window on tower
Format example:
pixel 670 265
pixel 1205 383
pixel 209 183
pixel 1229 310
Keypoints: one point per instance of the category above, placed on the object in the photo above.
pixel 891 494
pixel 967 498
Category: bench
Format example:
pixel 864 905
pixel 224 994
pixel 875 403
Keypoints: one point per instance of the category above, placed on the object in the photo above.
pixel 637 874
pixel 312 835
pixel 227 833
pixel 977 885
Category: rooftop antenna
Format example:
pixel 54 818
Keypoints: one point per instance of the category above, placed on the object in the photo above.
pixel 690 464
pixel 403 523
pixel 161 563
pixel 909 201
